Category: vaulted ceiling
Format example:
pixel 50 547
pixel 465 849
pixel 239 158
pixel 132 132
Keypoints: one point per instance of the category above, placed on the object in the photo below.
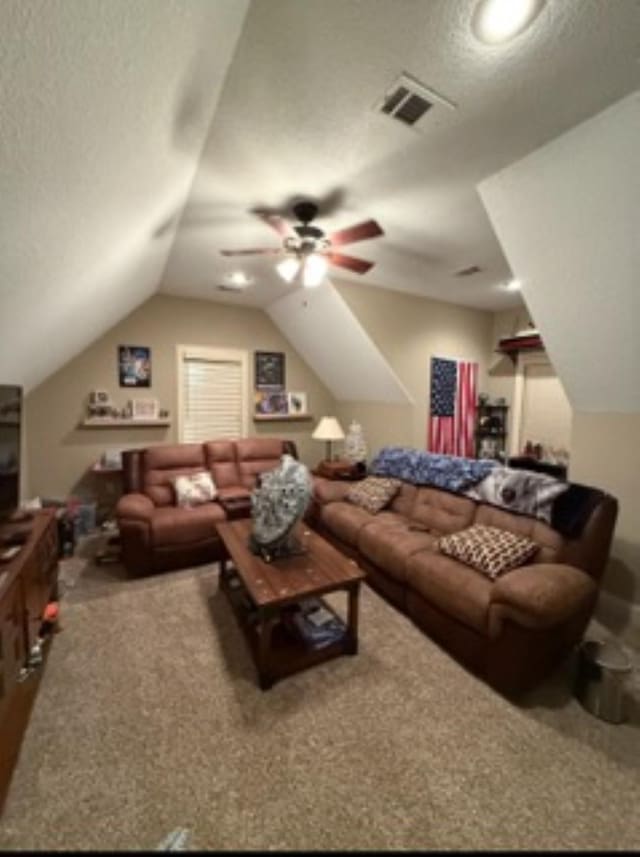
pixel 137 135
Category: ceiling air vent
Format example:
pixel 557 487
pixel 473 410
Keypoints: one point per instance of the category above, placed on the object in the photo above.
pixel 467 272
pixel 407 100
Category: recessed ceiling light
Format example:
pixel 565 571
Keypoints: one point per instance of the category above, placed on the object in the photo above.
pixel 497 21
pixel 513 285
pixel 238 279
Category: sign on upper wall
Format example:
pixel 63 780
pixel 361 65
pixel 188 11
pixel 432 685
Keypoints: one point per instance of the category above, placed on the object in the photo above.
pixel 134 366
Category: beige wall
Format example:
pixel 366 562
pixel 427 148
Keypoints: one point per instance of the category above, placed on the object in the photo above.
pixel 606 453
pixel 408 331
pixel 60 453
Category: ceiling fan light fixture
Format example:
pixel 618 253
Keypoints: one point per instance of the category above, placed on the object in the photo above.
pixel 315 269
pixel 288 268
pixel 498 21
pixel 238 279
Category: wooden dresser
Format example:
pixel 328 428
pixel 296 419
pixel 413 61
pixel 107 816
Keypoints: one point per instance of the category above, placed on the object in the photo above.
pixel 27 583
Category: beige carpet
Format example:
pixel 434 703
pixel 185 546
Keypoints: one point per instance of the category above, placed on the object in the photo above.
pixel 149 719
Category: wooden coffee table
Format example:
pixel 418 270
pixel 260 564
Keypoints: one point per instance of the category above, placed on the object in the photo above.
pixel 262 594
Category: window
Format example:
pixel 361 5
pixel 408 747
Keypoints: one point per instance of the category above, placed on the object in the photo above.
pixel 212 393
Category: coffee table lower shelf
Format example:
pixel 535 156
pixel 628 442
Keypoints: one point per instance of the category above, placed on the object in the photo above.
pixel 277 650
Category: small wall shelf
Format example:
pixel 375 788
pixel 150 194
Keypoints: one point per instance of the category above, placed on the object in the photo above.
pixel 107 422
pixel 276 418
pixel 513 344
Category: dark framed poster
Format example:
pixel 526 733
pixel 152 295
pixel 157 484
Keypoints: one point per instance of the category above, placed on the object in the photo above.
pixel 134 366
pixel 269 370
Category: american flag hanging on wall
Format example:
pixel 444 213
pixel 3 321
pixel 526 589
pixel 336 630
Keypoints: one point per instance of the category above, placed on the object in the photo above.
pixel 453 407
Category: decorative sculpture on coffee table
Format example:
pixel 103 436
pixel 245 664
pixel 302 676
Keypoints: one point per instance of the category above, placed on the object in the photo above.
pixel 277 504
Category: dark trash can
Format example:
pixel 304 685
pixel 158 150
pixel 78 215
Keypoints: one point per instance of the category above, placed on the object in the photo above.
pixel 603 669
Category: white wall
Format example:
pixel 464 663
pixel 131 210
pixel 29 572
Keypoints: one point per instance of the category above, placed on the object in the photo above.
pixel 568 219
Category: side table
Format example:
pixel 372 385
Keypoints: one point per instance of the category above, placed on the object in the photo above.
pixel 236 506
pixel 341 470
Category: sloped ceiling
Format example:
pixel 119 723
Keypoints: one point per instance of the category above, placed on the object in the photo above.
pixel 297 118
pixel 568 216
pixel 349 363
pixel 104 110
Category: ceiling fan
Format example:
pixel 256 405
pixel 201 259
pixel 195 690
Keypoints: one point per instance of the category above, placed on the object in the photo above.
pixel 308 248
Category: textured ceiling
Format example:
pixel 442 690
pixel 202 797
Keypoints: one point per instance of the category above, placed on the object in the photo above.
pixel 111 107
pixel 296 118
pixel 104 108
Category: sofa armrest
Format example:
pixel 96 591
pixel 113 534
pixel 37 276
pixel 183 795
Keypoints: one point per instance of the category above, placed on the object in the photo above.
pixel 540 596
pixel 135 506
pixel 329 490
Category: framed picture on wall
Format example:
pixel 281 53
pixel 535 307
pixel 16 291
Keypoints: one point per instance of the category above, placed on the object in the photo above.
pixel 134 366
pixel 270 404
pixel 144 409
pixel 297 403
pixel 269 370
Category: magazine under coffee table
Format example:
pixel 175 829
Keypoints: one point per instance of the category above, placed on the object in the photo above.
pixel 265 598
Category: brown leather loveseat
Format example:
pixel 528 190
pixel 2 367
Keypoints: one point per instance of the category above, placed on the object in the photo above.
pixel 512 630
pixel 156 535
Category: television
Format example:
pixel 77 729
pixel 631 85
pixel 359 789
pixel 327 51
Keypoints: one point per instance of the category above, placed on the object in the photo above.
pixel 10 432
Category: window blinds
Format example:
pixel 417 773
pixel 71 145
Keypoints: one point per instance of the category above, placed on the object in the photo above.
pixel 212 399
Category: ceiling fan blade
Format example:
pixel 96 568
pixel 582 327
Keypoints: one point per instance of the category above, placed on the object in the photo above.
pixel 274 221
pixel 359 266
pixel 256 251
pixel 367 229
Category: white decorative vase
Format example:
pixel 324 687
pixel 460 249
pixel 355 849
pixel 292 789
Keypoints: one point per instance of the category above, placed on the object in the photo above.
pixel 355 447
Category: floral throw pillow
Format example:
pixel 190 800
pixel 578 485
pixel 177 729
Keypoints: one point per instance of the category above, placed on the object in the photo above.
pixel 373 493
pixel 194 489
pixel 488 549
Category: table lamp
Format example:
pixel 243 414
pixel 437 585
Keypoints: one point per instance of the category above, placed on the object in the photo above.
pixel 328 429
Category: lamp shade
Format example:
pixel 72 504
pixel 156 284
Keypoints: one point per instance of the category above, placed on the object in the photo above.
pixel 328 429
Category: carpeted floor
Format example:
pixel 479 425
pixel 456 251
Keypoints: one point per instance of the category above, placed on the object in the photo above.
pixel 149 720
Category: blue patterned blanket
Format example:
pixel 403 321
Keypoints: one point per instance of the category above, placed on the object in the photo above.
pixel 427 468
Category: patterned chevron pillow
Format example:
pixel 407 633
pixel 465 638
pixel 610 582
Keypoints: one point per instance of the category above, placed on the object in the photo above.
pixel 373 493
pixel 488 549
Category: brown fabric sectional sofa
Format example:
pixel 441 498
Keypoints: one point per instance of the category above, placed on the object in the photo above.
pixel 155 534
pixel 511 631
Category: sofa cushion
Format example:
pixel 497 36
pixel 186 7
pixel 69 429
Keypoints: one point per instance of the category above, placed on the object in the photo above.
pixel 454 588
pixel 345 520
pixel 195 489
pixel 550 542
pixel 220 456
pixel 373 493
pixel 393 519
pixel 161 465
pixel 390 546
pixel 175 526
pixel 257 455
pixel 403 502
pixel 488 549
pixel 442 512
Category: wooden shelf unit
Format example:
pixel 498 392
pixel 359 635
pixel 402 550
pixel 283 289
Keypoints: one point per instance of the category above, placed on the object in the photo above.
pixel 491 426
pixel 512 345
